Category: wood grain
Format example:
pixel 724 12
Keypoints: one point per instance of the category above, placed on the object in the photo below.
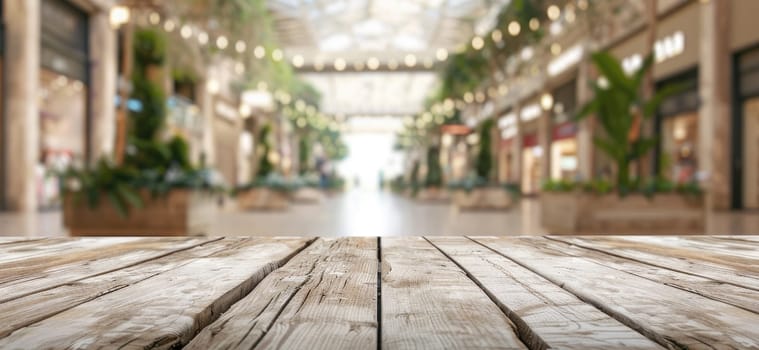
pixel 708 263
pixel 85 258
pixel 22 312
pixel 429 303
pixel 324 298
pixel 670 316
pixel 166 310
pixel 546 315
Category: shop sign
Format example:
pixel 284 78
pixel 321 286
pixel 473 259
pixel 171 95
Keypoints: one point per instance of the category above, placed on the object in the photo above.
pixel 530 112
pixel 567 59
pixel 665 48
pixel 530 140
pixel 564 131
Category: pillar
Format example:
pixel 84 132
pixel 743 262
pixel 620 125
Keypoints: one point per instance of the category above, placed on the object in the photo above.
pixel 715 113
pixel 584 127
pixel 22 48
pixel 206 100
pixel 516 149
pixel 544 140
pixel 102 84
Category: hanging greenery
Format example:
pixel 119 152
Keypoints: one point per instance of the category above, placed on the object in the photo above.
pixel 265 166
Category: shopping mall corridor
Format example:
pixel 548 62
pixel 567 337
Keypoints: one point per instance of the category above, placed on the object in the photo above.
pixel 367 212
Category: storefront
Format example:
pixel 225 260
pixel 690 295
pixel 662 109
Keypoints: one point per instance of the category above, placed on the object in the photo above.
pixel 227 127
pixel 745 140
pixel 507 129
pixel 63 93
pixel 677 126
pixel 532 151
pixel 563 152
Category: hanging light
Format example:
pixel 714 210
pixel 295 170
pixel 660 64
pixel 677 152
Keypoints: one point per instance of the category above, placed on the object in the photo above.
pixel 259 52
pixel 496 35
pixel 555 49
pixel 441 54
pixel 202 38
pixel 222 42
pixel 546 101
pixel 372 63
pixel 478 43
pixel 410 60
pixel 534 24
pixel 154 18
pixel 277 55
pixel 514 28
pixel 240 46
pixel 340 64
pixel 119 15
pixel 185 32
pixel 298 61
pixel 553 12
pixel 169 26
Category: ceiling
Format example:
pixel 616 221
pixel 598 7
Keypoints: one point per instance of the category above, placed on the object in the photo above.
pixel 317 34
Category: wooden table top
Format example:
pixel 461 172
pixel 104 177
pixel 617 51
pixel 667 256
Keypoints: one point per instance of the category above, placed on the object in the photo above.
pixel 598 292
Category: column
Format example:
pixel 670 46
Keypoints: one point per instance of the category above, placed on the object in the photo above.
pixel 544 140
pixel 516 149
pixel 585 130
pixel 102 84
pixel 22 48
pixel 714 115
pixel 206 100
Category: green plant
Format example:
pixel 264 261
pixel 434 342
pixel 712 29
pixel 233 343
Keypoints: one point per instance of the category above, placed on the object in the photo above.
pixel 265 167
pixel 434 176
pixel 484 165
pixel 414 182
pixel 304 155
pixel 620 107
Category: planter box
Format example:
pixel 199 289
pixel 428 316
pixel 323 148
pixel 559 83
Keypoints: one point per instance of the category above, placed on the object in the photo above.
pixel 434 195
pixel 485 198
pixel 308 195
pixel 178 213
pixel 262 199
pixel 583 213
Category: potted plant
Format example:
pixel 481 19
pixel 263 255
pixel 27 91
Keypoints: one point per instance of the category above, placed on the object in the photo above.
pixel 433 190
pixel 626 205
pixel 477 191
pixel 155 190
pixel 268 190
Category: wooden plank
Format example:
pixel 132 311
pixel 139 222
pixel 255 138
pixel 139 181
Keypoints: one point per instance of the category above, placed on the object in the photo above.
pixel 22 312
pixel 51 248
pixel 724 292
pixel 323 298
pixel 546 315
pixel 166 310
pixel 429 303
pixel 82 260
pixel 5 241
pixel 738 271
pixel 670 316
pixel 745 253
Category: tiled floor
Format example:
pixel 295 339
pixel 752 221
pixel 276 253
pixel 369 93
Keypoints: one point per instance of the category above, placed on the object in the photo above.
pixel 365 213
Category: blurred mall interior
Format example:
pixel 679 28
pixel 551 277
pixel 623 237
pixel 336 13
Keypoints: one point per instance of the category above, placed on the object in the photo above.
pixel 377 117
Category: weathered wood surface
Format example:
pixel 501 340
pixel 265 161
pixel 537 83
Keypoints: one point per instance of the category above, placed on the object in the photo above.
pixel 429 303
pixel 323 298
pixel 563 292
pixel 709 263
pixel 68 265
pixel 163 311
pixel 672 317
pixel 546 315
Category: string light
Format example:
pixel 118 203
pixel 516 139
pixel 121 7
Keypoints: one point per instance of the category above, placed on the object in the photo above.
pixel 496 35
pixel 240 46
pixel 441 54
pixel 410 60
pixel 372 63
pixel 340 64
pixel 478 43
pixel 553 12
pixel 222 42
pixel 534 24
pixel 514 28
pixel 169 26
pixel 202 38
pixel 298 61
pixel 185 32
pixel 259 52
pixel 277 55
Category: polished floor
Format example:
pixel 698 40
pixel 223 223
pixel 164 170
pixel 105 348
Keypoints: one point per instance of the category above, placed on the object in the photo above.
pixel 370 213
